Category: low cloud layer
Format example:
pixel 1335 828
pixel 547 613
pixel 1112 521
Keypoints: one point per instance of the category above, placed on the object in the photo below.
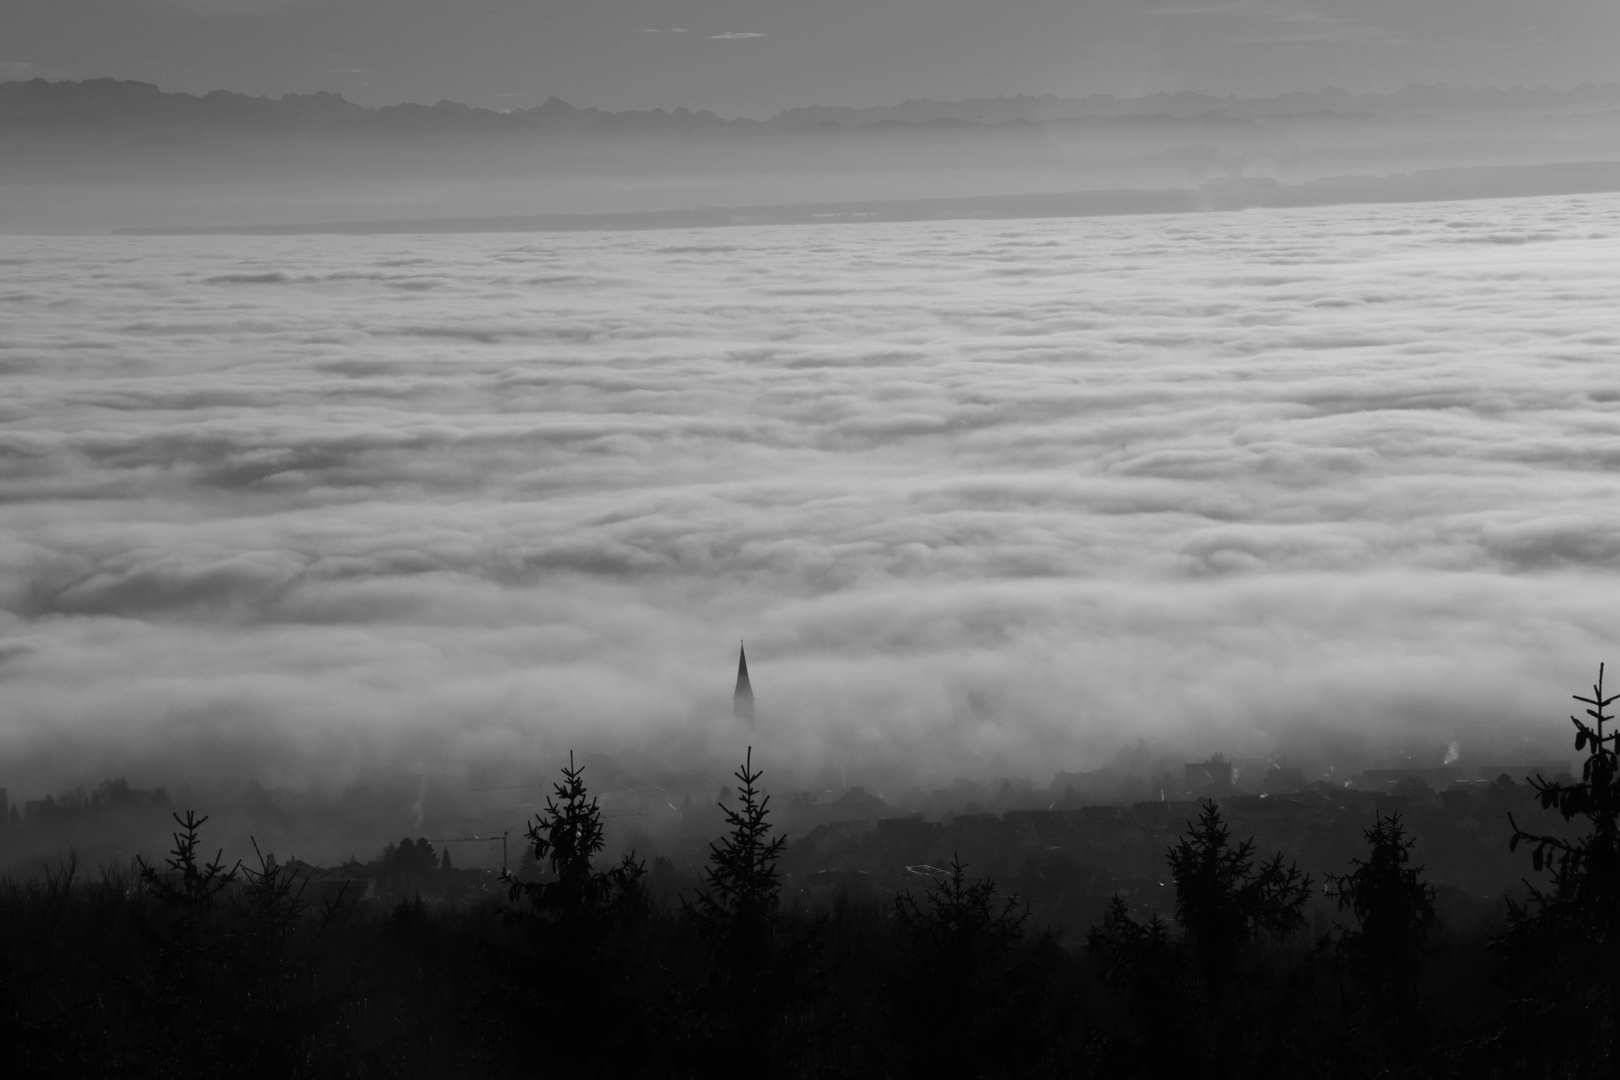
pixel 981 496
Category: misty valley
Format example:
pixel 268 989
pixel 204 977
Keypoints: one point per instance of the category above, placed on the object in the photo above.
pixel 871 539
pixel 874 944
pixel 1158 625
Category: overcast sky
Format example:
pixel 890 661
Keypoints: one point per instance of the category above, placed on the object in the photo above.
pixel 754 57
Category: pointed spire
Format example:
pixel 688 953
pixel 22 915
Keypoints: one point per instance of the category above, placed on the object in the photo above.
pixel 742 701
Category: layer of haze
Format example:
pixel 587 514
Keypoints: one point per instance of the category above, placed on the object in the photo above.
pixel 754 57
pixel 981 496
pixel 127 173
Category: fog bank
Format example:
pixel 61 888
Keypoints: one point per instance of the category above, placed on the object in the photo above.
pixel 982 497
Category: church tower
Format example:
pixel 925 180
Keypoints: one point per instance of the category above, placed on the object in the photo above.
pixel 742 701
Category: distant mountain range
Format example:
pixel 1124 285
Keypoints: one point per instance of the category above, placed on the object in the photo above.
pixel 1435 99
pixel 102 107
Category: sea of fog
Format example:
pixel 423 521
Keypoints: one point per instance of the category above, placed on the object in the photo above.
pixel 982 497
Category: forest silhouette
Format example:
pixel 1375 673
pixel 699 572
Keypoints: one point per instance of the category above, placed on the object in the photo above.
pixel 585 967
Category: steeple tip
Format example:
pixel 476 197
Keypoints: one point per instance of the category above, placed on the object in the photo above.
pixel 742 699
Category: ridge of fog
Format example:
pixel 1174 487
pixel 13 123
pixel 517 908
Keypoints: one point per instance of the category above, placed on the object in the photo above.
pixel 983 497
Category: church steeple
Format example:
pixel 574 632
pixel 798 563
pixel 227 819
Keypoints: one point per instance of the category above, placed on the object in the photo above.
pixel 742 701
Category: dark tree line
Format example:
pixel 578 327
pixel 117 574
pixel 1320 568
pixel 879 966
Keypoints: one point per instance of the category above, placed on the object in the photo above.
pixel 196 968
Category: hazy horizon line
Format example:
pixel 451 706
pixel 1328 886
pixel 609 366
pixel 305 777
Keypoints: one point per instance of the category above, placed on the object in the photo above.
pixel 1325 91
pixel 1244 193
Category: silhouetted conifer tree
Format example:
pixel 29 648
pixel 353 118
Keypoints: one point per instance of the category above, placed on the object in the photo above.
pixel 188 889
pixel 187 1005
pixel 1227 1014
pixel 755 977
pixel 283 1011
pixel 1385 952
pixel 1564 942
pixel 963 1004
pixel 1148 968
pixel 740 890
pixel 1139 959
pixel 566 840
pixel 1223 901
pixel 272 899
pixel 568 983
pixel 961 923
pixel 1393 906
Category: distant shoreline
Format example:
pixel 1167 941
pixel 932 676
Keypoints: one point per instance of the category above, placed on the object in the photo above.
pixel 1432 185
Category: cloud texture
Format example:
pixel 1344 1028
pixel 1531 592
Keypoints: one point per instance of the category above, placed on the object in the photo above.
pixel 980 495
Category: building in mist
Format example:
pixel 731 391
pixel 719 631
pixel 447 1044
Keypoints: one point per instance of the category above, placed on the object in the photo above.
pixel 1437 777
pixel 1281 779
pixel 1549 768
pixel 1213 777
pixel 742 699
